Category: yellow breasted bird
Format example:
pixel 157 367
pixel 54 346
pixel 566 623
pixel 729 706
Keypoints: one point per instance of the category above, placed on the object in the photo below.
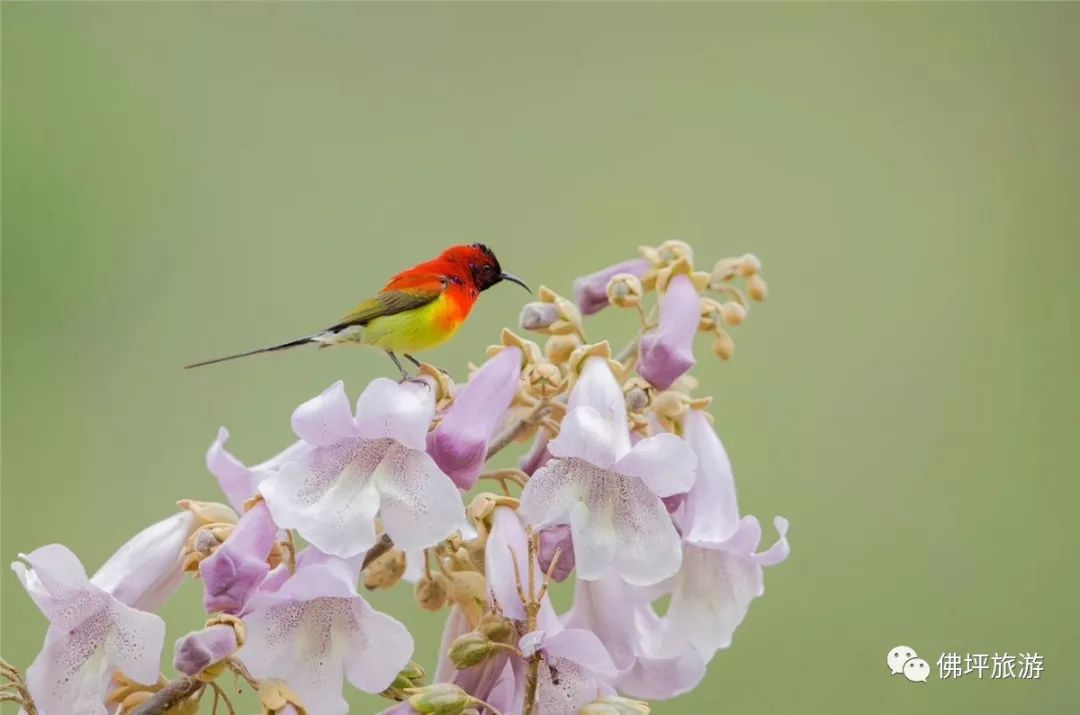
pixel 418 309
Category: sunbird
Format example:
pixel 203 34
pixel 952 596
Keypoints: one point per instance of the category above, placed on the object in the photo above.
pixel 418 309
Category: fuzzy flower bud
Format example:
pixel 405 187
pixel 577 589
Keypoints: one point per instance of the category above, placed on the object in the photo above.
pixel 411 676
pixel 668 351
pixel 637 393
pixel 497 628
pixel 385 570
pixel 543 380
pixel 723 346
pixel 615 705
pixel 552 539
pixel 733 313
pixel 201 649
pixel 470 649
pixel 439 699
pixel 749 265
pixel 624 290
pixel 756 288
pixel 431 591
pixel 558 348
pixel 591 291
pixel 538 316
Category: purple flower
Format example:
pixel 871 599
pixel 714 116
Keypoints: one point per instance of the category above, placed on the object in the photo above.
pixel 203 648
pixel 621 617
pixel 552 539
pixel 315 631
pixel 591 290
pixel 667 352
pixel 91 634
pixel 235 570
pixel 147 570
pixel 357 467
pixel 608 491
pixel 459 444
pixel 721 573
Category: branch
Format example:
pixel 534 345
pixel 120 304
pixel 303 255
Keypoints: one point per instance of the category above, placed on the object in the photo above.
pixel 170 696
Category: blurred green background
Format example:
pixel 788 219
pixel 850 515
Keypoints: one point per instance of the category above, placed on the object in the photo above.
pixel 186 180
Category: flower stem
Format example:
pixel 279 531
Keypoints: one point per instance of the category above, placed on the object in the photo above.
pixel 170 696
pixel 515 430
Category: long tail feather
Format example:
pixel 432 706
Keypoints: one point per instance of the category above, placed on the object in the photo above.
pixel 271 349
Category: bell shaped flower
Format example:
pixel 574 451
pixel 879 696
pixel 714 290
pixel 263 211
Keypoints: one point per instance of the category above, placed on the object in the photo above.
pixel 721 573
pixel 314 631
pixel 609 492
pixel 355 468
pixel 667 352
pixel 459 443
pixel 236 568
pixel 591 291
pixel 622 618
pixel 147 570
pixel 91 634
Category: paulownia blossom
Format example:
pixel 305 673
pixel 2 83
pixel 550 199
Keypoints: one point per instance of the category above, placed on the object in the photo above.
pixel 358 467
pixel 314 630
pixel 608 491
pixel 91 635
pixel 667 352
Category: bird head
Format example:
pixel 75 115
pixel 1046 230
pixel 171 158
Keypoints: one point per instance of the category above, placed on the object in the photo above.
pixel 481 265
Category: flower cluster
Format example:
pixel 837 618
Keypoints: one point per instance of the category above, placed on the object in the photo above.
pixel 626 487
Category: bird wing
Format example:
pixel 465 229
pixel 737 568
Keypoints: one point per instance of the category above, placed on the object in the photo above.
pixel 390 302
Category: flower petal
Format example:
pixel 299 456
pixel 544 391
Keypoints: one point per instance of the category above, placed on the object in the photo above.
pixel 508 537
pixel 667 352
pixel 135 642
pixel 54 579
pixel 420 505
pixel 711 508
pixel 586 435
pixel 564 687
pixel 779 551
pixel 552 492
pixel 663 462
pixel 237 568
pixel 328 495
pixel 597 388
pixel 379 648
pixel 591 290
pixel 459 443
pixel 401 412
pixel 147 570
pixel 325 419
pixel 203 648
pixel 585 649
pixel 236 481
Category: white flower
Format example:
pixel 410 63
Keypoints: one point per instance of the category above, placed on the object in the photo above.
pixel 91 634
pixel 608 491
pixel 358 467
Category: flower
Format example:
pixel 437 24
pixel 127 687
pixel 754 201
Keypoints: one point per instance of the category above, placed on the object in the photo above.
pixel 591 291
pixel 459 444
pixel 237 567
pixel 608 491
pixel 203 648
pixel 147 570
pixel 91 634
pixel 621 617
pixel 667 352
pixel 552 539
pixel 314 631
pixel 357 467
pixel 721 573
pixel 237 481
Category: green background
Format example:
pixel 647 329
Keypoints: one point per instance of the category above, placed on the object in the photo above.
pixel 186 180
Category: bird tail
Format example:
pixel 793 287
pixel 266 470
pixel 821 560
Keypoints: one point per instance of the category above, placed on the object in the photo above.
pixel 272 349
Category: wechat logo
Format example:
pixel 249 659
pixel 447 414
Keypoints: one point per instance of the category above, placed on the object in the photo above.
pixel 903 660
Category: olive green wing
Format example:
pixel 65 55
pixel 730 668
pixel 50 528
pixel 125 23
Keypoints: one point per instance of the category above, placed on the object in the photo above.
pixel 390 303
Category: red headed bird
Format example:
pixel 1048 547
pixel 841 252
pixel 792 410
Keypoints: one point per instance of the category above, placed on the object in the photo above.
pixel 418 309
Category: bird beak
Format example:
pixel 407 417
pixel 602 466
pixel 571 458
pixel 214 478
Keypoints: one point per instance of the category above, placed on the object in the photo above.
pixel 515 279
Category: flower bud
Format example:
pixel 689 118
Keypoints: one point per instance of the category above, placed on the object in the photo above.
pixel 749 265
pixel 734 313
pixel 756 288
pixel 202 544
pixel 552 539
pixel 277 698
pixel 497 627
pixel 724 271
pixel 201 649
pixel 209 512
pixel 669 404
pixel 470 649
pixel 439 699
pixel 543 380
pixel 711 315
pixel 638 394
pixel 723 346
pixel 558 348
pixel 624 290
pixel 615 705
pixel 591 290
pixel 674 250
pixel 538 316
pixel 411 676
pixel 431 591
pixel 469 591
pixel 385 570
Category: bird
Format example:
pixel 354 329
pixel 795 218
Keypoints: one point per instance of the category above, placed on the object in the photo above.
pixel 418 309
